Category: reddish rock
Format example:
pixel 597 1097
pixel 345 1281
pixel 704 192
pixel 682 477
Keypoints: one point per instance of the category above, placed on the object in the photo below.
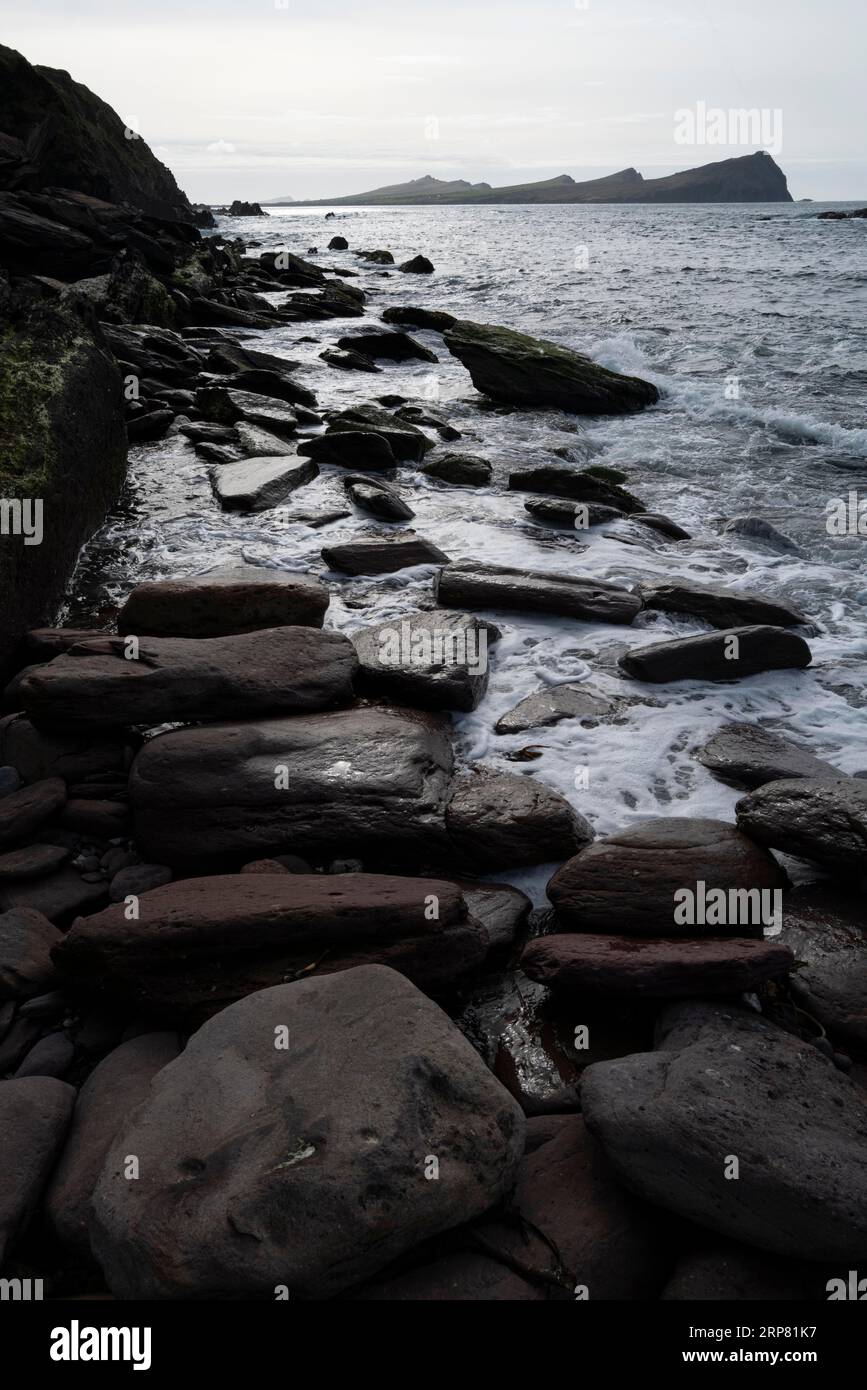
pixel 655 968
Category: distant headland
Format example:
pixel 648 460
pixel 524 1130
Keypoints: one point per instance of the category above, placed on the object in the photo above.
pixel 752 178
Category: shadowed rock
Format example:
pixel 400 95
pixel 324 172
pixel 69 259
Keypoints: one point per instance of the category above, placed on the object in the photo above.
pixel 473 584
pixel 299 1167
pixel 723 656
pixel 34 1116
pixel 821 819
pixel 224 602
pixel 657 968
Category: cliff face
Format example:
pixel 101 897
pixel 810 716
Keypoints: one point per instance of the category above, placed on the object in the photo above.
pixel 54 132
pixel 753 178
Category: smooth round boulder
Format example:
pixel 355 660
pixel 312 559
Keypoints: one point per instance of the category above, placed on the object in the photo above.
pixel 824 819
pixel 269 1157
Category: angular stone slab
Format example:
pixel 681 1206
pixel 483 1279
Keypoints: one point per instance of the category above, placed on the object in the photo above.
pixel 471 584
pixel 656 968
pixel 224 602
pixel 254 485
pixel 434 659
pixel 726 1084
pixel 626 883
pixel 299 1166
pixel 747 755
pixel 705 658
pixel 175 678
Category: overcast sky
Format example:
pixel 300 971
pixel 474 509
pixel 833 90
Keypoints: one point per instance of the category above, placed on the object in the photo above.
pixel 314 98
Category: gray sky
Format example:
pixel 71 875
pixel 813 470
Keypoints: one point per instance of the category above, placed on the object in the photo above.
pixel 314 98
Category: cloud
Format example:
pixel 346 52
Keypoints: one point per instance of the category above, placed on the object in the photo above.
pixel 220 147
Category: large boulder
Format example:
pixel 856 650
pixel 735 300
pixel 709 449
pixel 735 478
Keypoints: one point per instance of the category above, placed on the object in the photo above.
pixel 114 1089
pixel 656 968
pixel 472 584
pixel 747 755
pixel 202 943
pixel 824 819
pixel 521 370
pixel 371 782
pixel 34 1115
pixel 175 678
pixel 719 656
pixel 298 1168
pixel 433 659
pixel 223 602
pixel 727 1087
pixel 627 882
pixel 720 605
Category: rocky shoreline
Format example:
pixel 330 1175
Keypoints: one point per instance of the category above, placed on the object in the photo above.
pixel 269 1025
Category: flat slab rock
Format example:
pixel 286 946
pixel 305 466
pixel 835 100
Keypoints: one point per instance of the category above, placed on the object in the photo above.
pixel 553 704
pixel 34 861
pixel 202 943
pixel 328 1158
pixel 254 485
pixel 373 779
pixel 173 678
pixel 826 930
pixel 720 606
pixel 521 370
pixel 627 882
pixel 725 1083
pixel 223 602
pixel 434 659
pixel 747 755
pixel 823 819
pixel 471 584
pixel 723 656
pixel 656 968
pixel 383 555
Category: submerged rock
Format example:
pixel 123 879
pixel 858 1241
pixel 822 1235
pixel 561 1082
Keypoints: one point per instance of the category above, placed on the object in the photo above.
pixel 719 605
pixel 723 656
pixel 472 584
pixel 327 1176
pixel 756 528
pixel 748 756
pixel 727 1085
pixel 521 370
pixel 464 470
pixel 549 706
pixel 628 882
